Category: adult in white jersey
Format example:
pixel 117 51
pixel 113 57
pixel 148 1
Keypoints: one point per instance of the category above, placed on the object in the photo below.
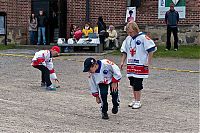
pixel 137 49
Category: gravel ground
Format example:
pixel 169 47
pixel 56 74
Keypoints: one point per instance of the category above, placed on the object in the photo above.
pixel 170 99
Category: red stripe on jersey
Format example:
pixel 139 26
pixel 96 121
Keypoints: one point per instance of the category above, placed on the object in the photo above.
pixel 137 69
pixel 38 61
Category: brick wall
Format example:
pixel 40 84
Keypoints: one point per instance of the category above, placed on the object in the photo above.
pixel 147 14
pixel 17 11
pixel 113 11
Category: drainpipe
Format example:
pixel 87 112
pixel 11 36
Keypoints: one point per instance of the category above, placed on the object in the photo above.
pixel 87 11
pixel 59 16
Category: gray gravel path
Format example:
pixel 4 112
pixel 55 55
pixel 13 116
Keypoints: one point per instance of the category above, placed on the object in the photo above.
pixel 170 99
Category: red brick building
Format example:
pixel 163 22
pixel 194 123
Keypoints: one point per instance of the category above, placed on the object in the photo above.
pixel 78 11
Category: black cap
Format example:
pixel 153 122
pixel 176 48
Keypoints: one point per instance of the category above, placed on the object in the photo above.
pixel 88 63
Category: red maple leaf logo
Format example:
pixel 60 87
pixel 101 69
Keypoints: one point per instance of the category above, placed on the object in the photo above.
pixel 132 51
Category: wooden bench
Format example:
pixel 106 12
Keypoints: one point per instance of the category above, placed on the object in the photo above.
pixel 98 47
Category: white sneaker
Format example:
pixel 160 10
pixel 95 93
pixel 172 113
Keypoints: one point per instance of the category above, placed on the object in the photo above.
pixel 131 104
pixel 137 105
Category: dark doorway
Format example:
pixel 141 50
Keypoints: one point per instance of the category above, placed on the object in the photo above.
pixel 55 10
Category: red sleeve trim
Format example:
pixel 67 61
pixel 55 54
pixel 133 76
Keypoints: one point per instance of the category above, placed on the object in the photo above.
pixel 114 80
pixel 95 94
pixel 52 71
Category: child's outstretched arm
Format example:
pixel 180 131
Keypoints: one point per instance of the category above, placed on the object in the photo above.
pixel 93 86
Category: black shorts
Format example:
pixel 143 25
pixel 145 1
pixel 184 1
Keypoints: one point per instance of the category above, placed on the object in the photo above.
pixel 136 83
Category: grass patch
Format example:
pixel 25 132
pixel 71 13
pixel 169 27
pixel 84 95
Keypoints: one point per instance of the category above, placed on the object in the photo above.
pixel 9 46
pixel 185 51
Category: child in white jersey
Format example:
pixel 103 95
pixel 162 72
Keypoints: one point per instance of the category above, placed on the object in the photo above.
pixel 42 60
pixel 103 73
pixel 138 50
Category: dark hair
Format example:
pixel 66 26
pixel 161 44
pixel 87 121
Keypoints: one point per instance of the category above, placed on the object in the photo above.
pixel 31 18
pixel 100 18
pixel 130 12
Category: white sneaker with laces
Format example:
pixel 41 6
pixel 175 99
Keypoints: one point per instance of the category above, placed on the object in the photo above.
pixel 131 103
pixel 137 105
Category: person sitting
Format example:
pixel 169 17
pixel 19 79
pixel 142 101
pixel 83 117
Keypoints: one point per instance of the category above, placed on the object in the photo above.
pixel 86 30
pixel 73 29
pixel 77 33
pixel 112 38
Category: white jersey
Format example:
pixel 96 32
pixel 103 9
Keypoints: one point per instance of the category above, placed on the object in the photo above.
pixel 43 57
pixel 107 72
pixel 137 49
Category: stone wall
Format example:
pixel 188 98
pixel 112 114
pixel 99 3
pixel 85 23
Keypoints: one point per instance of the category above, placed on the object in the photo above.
pixel 187 34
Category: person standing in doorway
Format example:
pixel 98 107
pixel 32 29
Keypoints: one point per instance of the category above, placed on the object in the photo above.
pixel 42 21
pixel 101 30
pixel 32 28
pixel 171 19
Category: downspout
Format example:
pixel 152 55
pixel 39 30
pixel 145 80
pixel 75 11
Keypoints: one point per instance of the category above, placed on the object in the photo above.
pixel 87 11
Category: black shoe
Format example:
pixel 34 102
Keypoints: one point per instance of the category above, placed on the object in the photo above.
pixel 115 109
pixel 105 116
pixel 43 84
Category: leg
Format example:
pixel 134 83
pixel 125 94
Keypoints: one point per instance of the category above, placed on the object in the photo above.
pixel 104 94
pixel 116 43
pixel 102 40
pixel 43 35
pixel 107 43
pixel 31 37
pixel 168 43
pixel 34 35
pixel 115 98
pixel 175 33
pixel 137 87
pixel 45 74
pixel 39 35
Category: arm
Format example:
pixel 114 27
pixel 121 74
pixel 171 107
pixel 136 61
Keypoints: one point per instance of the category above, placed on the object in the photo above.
pixel 93 86
pixel 116 75
pixel 177 17
pixel 49 65
pixel 123 58
pixel 166 17
pixel 115 34
pixel 36 23
pixel 91 30
pixel 149 60
pixel 150 47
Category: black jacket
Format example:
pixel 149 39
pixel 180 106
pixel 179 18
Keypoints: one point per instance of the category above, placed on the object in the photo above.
pixel 42 21
pixel 171 18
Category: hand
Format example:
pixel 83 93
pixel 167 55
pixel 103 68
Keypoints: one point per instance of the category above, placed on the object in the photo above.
pixel 56 80
pixel 98 100
pixel 114 87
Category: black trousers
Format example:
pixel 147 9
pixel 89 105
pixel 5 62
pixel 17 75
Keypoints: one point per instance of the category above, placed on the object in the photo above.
pixel 104 94
pixel 45 74
pixel 173 30
pixel 102 40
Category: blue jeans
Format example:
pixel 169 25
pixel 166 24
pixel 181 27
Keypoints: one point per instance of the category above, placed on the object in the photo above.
pixel 32 37
pixel 41 29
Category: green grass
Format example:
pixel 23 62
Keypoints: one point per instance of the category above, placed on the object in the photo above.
pixel 185 51
pixel 9 46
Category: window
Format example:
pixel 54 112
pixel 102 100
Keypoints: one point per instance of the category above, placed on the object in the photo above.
pixel 133 3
